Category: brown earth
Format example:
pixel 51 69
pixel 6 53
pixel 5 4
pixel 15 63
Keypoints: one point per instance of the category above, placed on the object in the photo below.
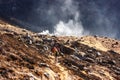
pixel 25 55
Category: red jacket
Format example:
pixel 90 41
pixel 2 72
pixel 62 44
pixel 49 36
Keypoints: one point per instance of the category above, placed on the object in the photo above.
pixel 54 50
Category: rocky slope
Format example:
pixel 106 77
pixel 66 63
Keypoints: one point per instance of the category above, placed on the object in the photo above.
pixel 25 55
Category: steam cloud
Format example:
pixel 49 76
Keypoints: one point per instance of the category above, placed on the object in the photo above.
pixel 65 17
pixel 78 18
pixel 73 27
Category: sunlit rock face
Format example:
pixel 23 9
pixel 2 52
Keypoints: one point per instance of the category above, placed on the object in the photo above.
pixel 28 55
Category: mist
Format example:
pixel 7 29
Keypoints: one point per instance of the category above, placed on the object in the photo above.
pixel 65 17
pixel 72 27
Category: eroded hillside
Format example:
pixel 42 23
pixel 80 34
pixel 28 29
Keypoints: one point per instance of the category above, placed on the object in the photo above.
pixel 25 55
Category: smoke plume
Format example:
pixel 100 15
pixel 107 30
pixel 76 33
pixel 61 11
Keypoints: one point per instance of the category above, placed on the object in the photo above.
pixel 73 27
pixel 65 17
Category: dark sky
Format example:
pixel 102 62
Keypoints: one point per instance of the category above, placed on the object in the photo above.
pixel 99 17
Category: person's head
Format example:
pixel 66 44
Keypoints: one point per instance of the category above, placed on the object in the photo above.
pixel 57 45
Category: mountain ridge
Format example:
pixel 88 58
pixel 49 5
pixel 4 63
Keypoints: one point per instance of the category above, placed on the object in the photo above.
pixel 26 55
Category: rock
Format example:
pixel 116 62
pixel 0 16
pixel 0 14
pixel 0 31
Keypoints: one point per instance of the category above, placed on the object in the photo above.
pixel 31 61
pixel 75 57
pixel 112 62
pixel 26 77
pixel 115 44
pixel 79 56
pixel 31 78
pixel 112 52
pixel 2 51
pixel 66 50
pixel 67 63
pixel 46 75
pixel 76 50
pixel 13 57
pixel 43 65
pixel 10 34
pixel 30 42
pixel 45 47
pixel 90 60
pixel 8 30
pixel 28 39
pixel 117 72
pixel 116 68
pixel 23 30
pixel 4 72
pixel 75 67
pixel 47 40
pixel 90 51
pixel 30 66
pixel 98 53
pixel 82 54
pixel 85 68
pixel 67 42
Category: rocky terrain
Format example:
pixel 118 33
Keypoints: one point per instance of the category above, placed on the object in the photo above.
pixel 25 55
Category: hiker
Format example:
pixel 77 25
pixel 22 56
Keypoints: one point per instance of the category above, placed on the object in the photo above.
pixel 56 51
